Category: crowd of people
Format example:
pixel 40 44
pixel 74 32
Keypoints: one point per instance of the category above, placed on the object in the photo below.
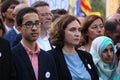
pixel 39 44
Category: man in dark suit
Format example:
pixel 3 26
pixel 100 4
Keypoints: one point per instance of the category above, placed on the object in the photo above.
pixel 7 71
pixel 31 62
pixel 11 35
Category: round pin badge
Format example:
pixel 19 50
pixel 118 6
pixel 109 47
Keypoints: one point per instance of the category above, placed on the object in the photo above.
pixel 0 54
pixel 47 74
pixel 89 66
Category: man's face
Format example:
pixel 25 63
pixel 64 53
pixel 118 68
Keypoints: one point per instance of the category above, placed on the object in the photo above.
pixel 8 13
pixel 116 35
pixel 45 16
pixel 30 29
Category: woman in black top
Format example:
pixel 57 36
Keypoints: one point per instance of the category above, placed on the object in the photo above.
pixel 72 64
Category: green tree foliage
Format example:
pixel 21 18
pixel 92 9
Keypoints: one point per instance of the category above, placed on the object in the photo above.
pixel 98 6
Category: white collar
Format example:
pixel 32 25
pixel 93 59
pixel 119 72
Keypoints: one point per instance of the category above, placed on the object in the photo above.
pixel 16 30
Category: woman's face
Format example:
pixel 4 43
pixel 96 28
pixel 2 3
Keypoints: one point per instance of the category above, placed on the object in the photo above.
pixel 95 29
pixel 107 54
pixel 72 33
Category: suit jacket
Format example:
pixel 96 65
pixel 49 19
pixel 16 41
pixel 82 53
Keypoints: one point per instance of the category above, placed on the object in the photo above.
pixel 17 39
pixel 62 69
pixel 7 71
pixel 24 69
pixel 10 36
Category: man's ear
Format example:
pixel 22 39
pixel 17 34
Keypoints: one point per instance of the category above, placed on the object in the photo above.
pixel 108 33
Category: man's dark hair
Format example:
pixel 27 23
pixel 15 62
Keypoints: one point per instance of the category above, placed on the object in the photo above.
pixel 59 11
pixel 111 25
pixel 39 3
pixel 21 13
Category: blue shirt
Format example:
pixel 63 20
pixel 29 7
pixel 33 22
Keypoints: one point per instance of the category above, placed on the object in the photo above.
pixel 76 67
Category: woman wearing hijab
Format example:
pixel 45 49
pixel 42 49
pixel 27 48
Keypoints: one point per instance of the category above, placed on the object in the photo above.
pixel 104 57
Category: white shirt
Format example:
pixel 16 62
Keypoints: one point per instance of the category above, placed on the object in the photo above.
pixel 44 43
pixel 7 28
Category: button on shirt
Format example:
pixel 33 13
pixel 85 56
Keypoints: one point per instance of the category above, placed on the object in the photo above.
pixel 33 56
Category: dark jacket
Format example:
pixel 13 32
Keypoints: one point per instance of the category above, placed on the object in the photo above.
pixel 17 40
pixel 10 36
pixel 24 69
pixel 62 69
pixel 7 71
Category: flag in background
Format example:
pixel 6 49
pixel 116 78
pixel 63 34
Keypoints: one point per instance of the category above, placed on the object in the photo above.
pixel 85 6
pixel 78 10
pixel 82 8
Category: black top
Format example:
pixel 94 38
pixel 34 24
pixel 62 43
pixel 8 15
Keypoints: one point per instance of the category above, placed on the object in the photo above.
pixel 24 68
pixel 7 71
pixel 62 69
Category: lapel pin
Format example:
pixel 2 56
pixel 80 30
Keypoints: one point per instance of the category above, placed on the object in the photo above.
pixel 0 54
pixel 47 74
pixel 89 66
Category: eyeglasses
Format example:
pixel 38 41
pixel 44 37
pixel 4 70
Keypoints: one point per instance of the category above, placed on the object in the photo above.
pixel 30 24
pixel 46 14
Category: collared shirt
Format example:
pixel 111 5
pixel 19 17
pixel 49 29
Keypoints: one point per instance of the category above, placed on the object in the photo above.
pixel 44 43
pixel 7 28
pixel 16 30
pixel 33 56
